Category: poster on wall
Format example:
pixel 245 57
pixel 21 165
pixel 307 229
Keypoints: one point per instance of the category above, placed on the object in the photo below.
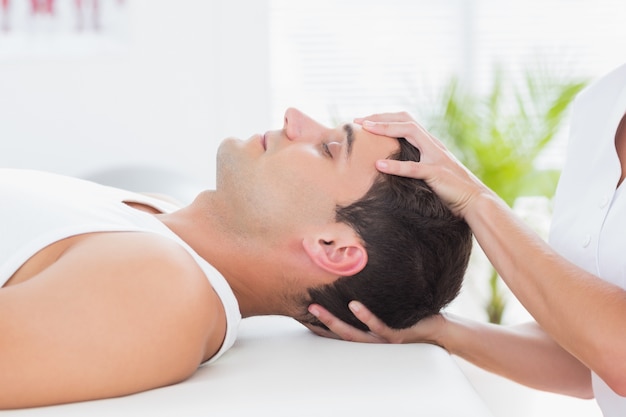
pixel 36 28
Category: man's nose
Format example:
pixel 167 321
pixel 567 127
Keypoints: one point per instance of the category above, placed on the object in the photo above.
pixel 299 126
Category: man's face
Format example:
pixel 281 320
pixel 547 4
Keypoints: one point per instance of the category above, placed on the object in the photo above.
pixel 290 179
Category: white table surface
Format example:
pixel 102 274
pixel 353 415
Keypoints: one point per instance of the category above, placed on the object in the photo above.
pixel 278 368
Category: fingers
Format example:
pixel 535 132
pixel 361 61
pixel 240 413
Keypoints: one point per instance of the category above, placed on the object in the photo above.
pixel 395 125
pixel 342 329
pixel 402 168
pixel 376 325
pixel 434 154
pixel 410 130
pixel 399 125
pixel 386 117
pixel 320 331
pixel 428 330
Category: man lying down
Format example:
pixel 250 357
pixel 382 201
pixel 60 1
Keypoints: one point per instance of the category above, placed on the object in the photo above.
pixel 106 292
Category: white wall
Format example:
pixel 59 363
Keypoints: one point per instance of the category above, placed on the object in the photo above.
pixel 188 74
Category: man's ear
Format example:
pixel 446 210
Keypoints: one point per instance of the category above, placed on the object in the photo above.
pixel 336 250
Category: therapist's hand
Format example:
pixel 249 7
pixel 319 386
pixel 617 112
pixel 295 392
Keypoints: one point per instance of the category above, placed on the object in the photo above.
pixel 428 330
pixel 452 181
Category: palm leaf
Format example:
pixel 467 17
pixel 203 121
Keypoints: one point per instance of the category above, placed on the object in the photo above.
pixel 500 135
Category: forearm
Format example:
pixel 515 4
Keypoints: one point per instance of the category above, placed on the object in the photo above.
pixel 523 353
pixel 580 311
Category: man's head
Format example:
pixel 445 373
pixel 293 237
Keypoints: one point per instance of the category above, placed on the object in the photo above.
pixel 312 200
pixel 418 253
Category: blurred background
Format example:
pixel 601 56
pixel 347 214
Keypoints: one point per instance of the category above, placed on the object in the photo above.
pixel 116 89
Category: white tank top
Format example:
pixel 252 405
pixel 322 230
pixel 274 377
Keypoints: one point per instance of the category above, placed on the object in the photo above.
pixel 38 209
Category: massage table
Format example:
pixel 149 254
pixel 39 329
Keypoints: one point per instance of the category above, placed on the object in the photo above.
pixel 279 368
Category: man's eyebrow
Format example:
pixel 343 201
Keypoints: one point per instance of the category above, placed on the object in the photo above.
pixel 349 139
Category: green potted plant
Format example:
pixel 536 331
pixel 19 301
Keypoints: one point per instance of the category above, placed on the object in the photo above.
pixel 500 135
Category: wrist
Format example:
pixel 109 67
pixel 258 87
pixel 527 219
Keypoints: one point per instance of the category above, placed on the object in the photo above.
pixel 480 207
pixel 452 332
pixel 439 332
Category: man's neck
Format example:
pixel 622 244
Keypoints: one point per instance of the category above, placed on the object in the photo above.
pixel 247 268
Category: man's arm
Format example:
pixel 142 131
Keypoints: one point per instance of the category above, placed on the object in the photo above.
pixel 118 313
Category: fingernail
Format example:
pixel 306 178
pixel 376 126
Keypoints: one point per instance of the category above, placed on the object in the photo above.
pixel 382 164
pixel 314 311
pixel 354 306
pixel 368 123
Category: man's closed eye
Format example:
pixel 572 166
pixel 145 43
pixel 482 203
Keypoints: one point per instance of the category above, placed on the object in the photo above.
pixel 331 149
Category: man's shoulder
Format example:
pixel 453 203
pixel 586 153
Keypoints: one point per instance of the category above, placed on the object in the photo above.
pixel 160 280
pixel 135 301
pixel 152 270
pixel 141 254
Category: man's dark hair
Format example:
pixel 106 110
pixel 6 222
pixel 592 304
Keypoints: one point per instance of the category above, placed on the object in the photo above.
pixel 417 248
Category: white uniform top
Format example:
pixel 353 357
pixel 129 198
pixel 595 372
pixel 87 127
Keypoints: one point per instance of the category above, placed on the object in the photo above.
pixel 38 209
pixel 589 220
